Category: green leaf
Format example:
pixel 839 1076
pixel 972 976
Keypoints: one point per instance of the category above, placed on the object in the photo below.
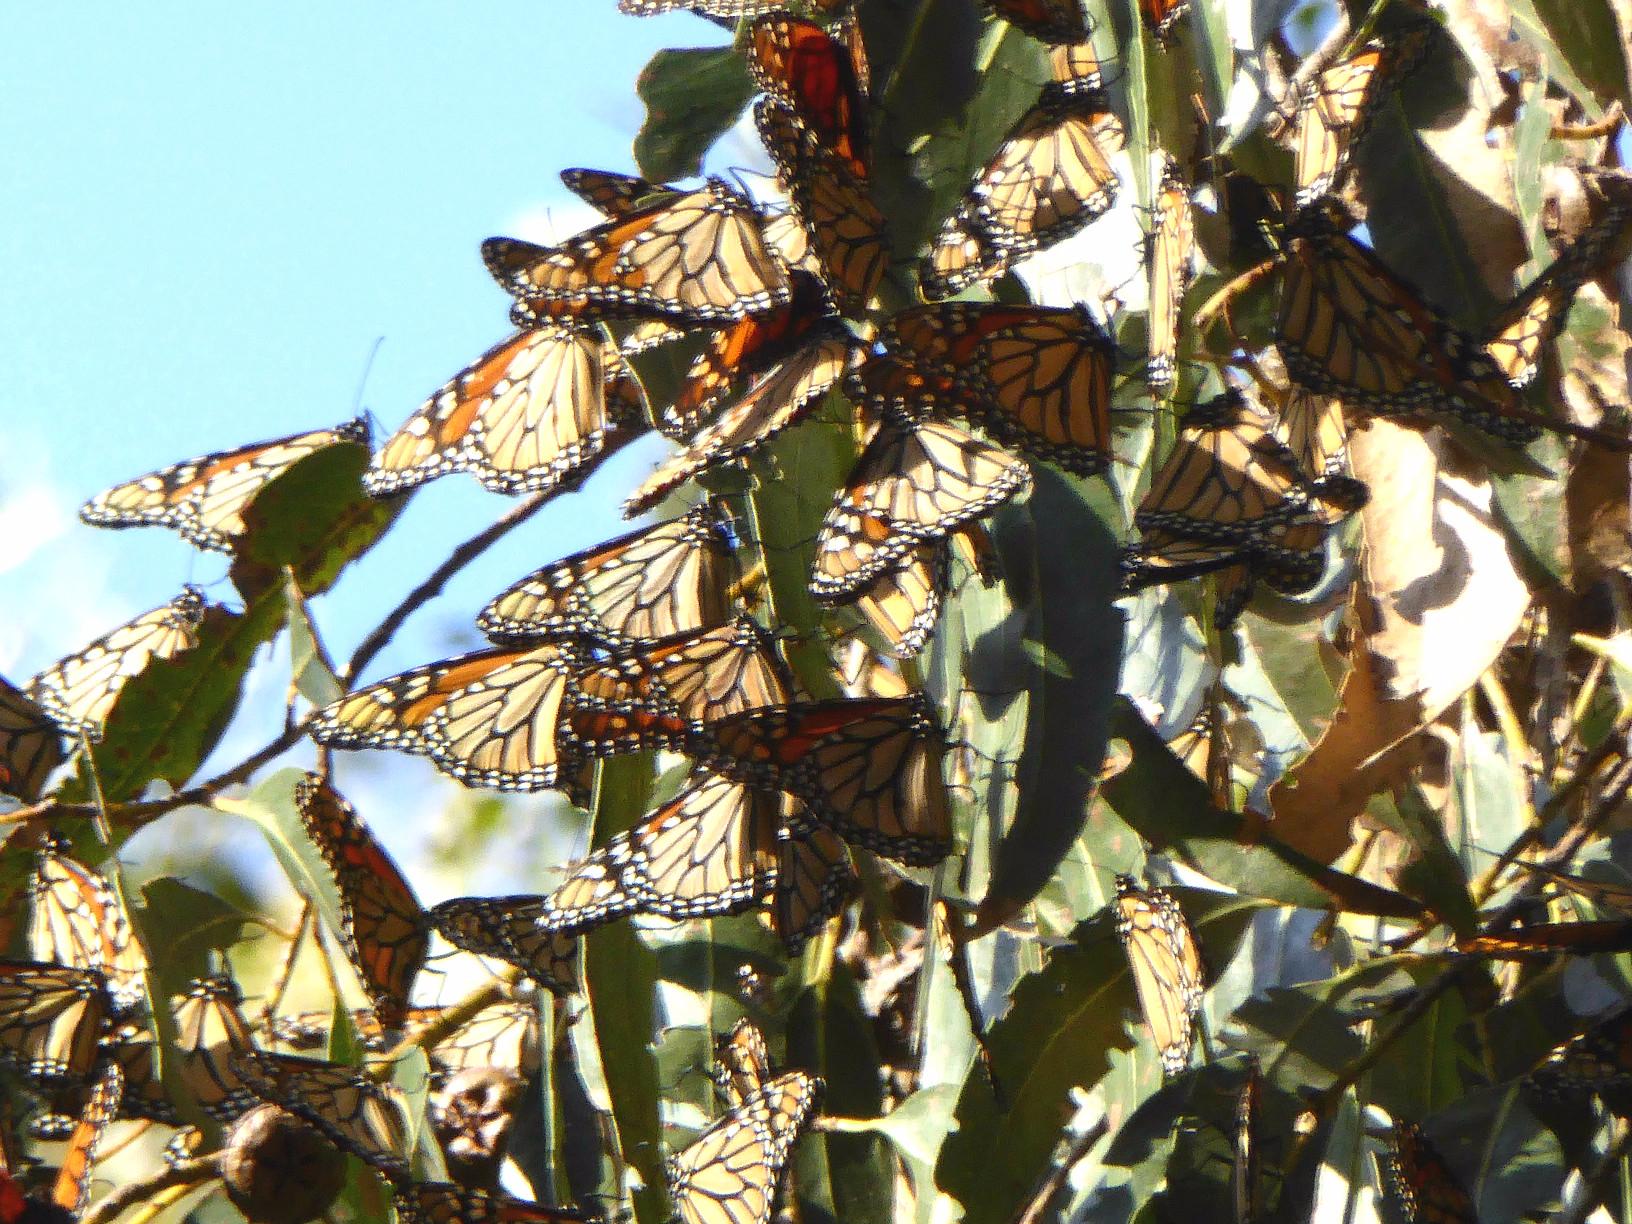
pixel 1057 1033
pixel 314 519
pixel 185 925
pixel 692 98
pixel 311 672
pixel 271 806
pixel 1582 45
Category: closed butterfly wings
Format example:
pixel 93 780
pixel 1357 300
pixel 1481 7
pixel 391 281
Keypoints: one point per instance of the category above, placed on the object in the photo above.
pixel 364 1118
pixel 1166 965
pixel 51 1019
pixel 381 922
pixel 204 499
pixel 916 481
pixel 30 744
pixel 1050 176
pixel 488 718
pixel 697 258
pixel 1424 1187
pixel 78 920
pixel 1052 21
pixel 663 693
pixel 448 1203
pixel 799 63
pixel 656 582
pixel 526 416
pixel 507 929
pixel 78 692
pixel 1171 256
pixel 1037 378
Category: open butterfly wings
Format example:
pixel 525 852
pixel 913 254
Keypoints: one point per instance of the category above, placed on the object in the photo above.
pixel 382 925
pixel 1166 964
pixel 656 582
pixel 526 416
pixel 204 498
pixel 78 920
pixel 78 692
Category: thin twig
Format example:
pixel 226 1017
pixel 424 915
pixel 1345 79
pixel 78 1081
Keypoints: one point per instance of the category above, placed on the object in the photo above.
pixel 1051 1182
pixel 184 1173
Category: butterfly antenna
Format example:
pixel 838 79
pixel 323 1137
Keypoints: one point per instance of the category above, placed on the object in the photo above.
pixel 362 381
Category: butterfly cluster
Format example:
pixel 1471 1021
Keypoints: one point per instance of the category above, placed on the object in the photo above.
pixel 785 801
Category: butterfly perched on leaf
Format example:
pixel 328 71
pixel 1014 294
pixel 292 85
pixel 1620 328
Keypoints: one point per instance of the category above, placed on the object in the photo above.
pixel 1037 378
pixel 845 227
pixel 663 692
pixel 530 414
pixel 79 691
pixel 730 1173
pixel 867 770
pixel 1170 254
pixel 1336 109
pixel 1167 966
pixel 205 498
pixel 382 925
pixel 507 929
pixel 915 482
pixel 1313 428
pixel 1424 1187
pixel 1050 176
pixel 448 1203
pixel 671 578
pixel 51 1020
pixel 693 259
pixel 78 920
pixel 487 718
pixel 817 78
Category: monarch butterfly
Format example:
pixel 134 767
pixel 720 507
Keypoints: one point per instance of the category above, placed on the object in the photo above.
pixel 1538 313
pixel 78 920
pixel 487 719
pixel 1349 327
pixel 693 259
pixel 1546 938
pixel 869 770
pixel 655 582
pixel 204 499
pixel 1162 15
pixel 914 482
pixel 30 744
pixel 1037 378
pixel 711 850
pixel 613 194
pixel 663 692
pixel 1052 21
pixel 816 78
pixel 743 1062
pixel 901 604
pixel 1291 560
pixel 1229 478
pixel 507 929
pixel 1337 105
pixel 729 1173
pixel 749 348
pixel 382 925
pixel 78 692
pixel 351 1110
pixel 1166 963
pixel 72 1188
pixel 51 1018
pixel 845 227
pixel 446 1202
pixel 1313 429
pixel 210 1030
pixel 1171 256
pixel 1050 176
pixel 1598 1059
pixel 1246 1165
pixel 528 414
pixel 503 1034
pixel 814 879
pixel 1424 1186
pixel 778 401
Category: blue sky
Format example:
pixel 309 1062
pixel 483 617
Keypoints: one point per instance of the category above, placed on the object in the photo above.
pixel 209 218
